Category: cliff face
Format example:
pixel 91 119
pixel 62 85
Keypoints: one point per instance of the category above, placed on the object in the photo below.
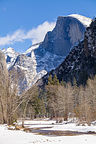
pixel 81 61
pixel 67 32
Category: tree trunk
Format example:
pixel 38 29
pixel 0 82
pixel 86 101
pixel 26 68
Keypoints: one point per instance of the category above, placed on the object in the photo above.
pixel 3 117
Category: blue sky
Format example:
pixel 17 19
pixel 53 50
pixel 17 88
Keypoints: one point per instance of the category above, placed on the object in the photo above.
pixel 19 17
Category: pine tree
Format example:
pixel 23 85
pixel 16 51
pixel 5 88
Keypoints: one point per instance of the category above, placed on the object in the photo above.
pixel 63 83
pixel 55 80
pixel 50 81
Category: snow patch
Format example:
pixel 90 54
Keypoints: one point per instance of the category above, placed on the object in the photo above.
pixel 84 20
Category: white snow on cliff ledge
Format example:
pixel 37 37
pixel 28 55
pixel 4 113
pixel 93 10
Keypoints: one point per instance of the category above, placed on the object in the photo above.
pixel 84 20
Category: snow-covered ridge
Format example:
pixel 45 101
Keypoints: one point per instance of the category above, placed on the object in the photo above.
pixel 29 50
pixel 9 50
pixel 85 20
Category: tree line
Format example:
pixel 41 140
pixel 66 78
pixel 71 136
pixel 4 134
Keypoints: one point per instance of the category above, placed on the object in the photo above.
pixel 72 101
pixel 57 100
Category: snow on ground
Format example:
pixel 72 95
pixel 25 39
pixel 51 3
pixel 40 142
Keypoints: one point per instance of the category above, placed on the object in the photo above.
pixel 70 126
pixel 73 127
pixel 21 137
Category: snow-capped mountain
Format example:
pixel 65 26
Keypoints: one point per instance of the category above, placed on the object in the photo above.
pixel 81 61
pixel 47 55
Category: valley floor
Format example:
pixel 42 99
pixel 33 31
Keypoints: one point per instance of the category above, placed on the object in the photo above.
pixel 81 136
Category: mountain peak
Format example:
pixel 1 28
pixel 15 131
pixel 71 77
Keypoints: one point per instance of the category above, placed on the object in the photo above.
pixel 10 49
pixel 67 32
